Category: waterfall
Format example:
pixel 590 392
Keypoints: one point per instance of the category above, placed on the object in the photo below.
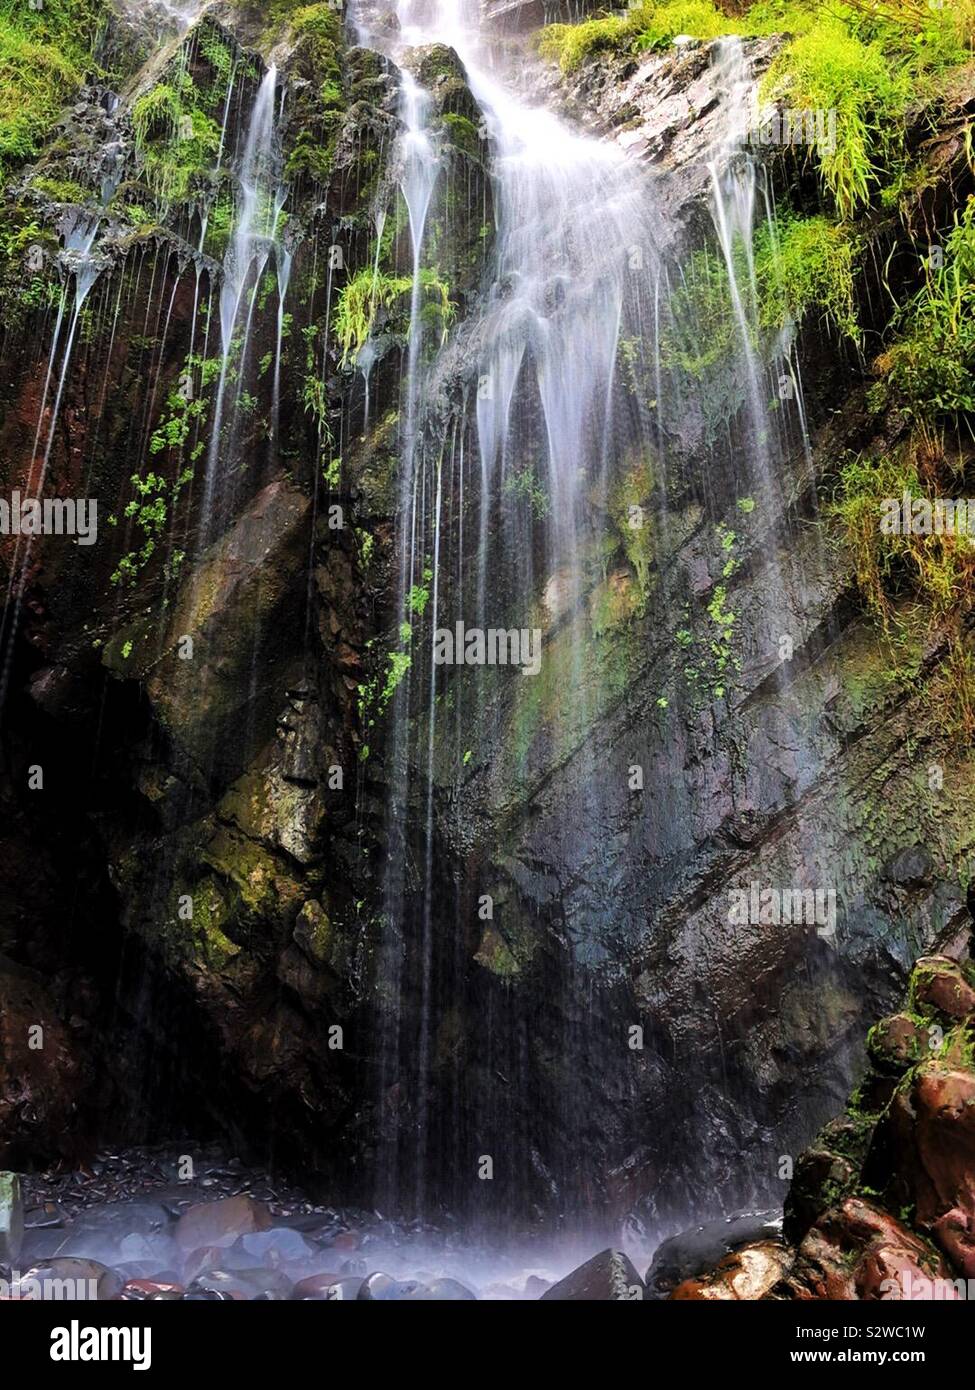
pixel 554 454
pixel 251 243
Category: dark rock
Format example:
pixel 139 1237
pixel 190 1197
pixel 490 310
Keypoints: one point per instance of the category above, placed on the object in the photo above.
pixel 245 1284
pixel 139 1290
pixel 910 868
pixel 330 1287
pixel 690 1253
pixel 607 1277
pixel 374 1287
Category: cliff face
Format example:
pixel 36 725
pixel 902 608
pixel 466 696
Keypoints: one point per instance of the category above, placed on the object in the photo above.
pixel 207 303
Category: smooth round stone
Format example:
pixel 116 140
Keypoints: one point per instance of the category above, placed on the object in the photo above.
pixel 374 1286
pixel 331 1287
pixel 140 1290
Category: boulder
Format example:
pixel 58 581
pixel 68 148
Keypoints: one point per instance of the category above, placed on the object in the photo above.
pixel 942 984
pixel 859 1251
pixel 692 1252
pixel 221 1223
pixel 608 1277
pixel 749 1273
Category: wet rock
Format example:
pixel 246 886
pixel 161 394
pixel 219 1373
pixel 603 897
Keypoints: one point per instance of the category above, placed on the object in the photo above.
pixel 859 1251
pixel 221 1223
pixel 244 1285
pixel 897 1042
pixel 692 1252
pixel 955 1233
pixel 139 1290
pixel 65 1277
pixel 41 1088
pixel 374 1286
pixel 607 1277
pixel 924 1149
pixel 535 1287
pixel 11 1218
pixel 910 868
pixel 277 1247
pixel 401 1291
pixel 750 1273
pixel 942 984
pixel 234 607
pixel 327 1286
pixel 450 1291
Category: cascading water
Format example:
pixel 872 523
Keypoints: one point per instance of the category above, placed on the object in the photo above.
pixel 555 457
pixel 249 250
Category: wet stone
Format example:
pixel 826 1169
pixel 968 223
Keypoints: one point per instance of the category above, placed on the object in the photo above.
pixel 11 1218
pixel 221 1222
pixel 608 1277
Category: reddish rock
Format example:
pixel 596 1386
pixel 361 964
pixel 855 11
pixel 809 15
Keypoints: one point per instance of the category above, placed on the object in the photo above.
pixel 933 1124
pixel 136 1290
pixel 221 1223
pixel 940 983
pixel 955 1233
pixel 859 1251
pixel 896 1043
pixel 316 1285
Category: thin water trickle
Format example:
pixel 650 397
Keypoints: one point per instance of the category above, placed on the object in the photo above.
pixel 247 255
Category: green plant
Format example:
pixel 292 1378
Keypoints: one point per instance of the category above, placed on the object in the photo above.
pixel 369 291
pixel 806 263
pixel 176 138
pixel 45 55
pixel 931 366
pixel 524 485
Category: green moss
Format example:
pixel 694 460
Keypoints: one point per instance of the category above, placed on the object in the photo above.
pixel 462 133
pixel 210 914
pixel 930 368
pixel 369 291
pixel 630 512
pixel 45 55
pixel 569 44
pixel 913 583
pixel 60 190
pixel 869 65
pixel 805 264
pixel 801 266
pixel 175 137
